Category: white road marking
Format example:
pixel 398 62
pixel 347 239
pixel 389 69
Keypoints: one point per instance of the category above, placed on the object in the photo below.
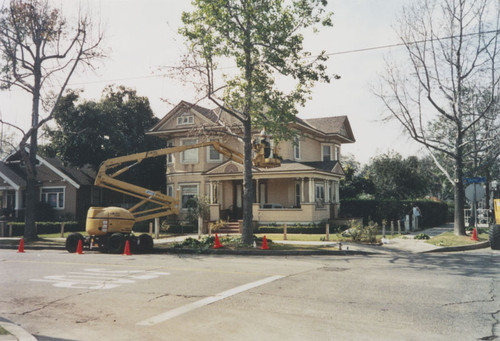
pixel 98 278
pixel 206 301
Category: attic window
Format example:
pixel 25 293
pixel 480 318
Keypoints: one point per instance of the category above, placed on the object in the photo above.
pixel 183 120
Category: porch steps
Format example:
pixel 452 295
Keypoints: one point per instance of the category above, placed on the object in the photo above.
pixel 230 227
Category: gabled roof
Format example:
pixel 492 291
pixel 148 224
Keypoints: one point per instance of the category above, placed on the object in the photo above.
pixel 334 125
pixel 337 126
pixel 12 172
pixel 82 176
pixel 11 177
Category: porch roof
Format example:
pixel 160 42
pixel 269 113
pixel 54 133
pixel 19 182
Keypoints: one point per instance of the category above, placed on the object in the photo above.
pixel 287 169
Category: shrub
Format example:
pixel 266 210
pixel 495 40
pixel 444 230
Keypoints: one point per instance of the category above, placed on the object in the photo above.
pixel 360 233
pixel 422 236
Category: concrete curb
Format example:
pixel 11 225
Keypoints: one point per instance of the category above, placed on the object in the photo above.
pixel 477 246
pixel 259 252
pixel 18 332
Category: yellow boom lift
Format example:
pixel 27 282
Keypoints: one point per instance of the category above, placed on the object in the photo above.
pixel 109 228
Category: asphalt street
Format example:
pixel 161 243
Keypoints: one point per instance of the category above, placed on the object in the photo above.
pixel 393 295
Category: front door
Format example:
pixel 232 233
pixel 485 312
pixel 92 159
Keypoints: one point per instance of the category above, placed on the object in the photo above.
pixel 237 200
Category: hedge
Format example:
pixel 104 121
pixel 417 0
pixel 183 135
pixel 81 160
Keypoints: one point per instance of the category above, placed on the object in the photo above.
pixel 143 226
pixel 298 229
pixel 44 227
pixel 433 213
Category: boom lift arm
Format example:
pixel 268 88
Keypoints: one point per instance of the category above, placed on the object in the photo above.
pixel 165 204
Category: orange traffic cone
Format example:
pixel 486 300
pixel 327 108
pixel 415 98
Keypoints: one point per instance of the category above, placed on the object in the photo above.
pixel 79 248
pixel 21 246
pixel 474 235
pixel 264 244
pixel 217 244
pixel 127 252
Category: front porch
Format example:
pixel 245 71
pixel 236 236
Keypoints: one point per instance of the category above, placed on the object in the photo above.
pixel 303 200
pixel 307 213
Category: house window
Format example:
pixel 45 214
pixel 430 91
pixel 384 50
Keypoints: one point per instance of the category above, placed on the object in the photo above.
pixel 337 153
pixel 296 148
pixel 326 152
pixel 188 192
pixel 298 198
pixel 54 196
pixel 190 155
pixel 320 194
pixel 213 155
pixel 170 190
pixel 184 120
pixel 170 157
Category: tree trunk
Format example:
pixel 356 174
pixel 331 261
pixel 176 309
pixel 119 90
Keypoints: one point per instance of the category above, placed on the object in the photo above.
pixel 30 232
pixel 459 221
pixel 247 233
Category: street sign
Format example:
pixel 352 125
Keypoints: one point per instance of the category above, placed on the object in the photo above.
pixel 475 192
pixel 474 180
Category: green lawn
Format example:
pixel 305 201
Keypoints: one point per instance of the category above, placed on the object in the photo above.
pixel 450 239
pixel 313 237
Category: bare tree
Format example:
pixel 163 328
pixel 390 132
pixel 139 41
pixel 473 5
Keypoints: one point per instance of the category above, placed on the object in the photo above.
pixel 40 49
pixel 453 53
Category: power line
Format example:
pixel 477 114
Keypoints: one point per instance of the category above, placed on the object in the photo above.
pixel 380 47
pixel 366 49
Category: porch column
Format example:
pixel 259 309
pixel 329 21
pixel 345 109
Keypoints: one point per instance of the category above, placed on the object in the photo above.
pixel 327 192
pixel 311 190
pixel 257 191
pixel 17 204
pixel 211 192
pixel 302 198
pixel 219 193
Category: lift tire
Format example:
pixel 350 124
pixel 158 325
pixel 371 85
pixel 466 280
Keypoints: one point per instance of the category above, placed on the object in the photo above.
pixel 495 236
pixel 145 243
pixel 132 240
pixel 72 242
pixel 116 243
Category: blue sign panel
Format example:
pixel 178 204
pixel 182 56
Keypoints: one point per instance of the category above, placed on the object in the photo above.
pixel 474 180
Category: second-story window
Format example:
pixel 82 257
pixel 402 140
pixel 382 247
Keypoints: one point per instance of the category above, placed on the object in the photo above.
pixel 213 155
pixel 326 153
pixel 190 155
pixel 337 153
pixel 296 148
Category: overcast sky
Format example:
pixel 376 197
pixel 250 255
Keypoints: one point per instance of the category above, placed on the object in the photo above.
pixel 141 36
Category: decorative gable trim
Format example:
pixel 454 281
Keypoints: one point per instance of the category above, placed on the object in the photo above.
pixel 183 110
pixel 228 167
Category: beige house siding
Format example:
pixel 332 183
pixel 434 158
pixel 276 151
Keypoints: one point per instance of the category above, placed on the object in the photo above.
pixel 220 181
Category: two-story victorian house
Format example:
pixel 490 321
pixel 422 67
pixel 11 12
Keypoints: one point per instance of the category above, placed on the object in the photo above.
pixel 303 189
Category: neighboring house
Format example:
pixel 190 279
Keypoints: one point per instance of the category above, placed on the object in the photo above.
pixel 304 189
pixel 68 190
